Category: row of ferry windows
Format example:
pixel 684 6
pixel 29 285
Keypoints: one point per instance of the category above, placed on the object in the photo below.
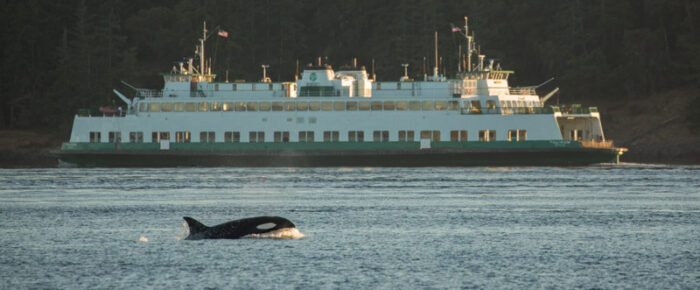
pixel 308 136
pixel 301 106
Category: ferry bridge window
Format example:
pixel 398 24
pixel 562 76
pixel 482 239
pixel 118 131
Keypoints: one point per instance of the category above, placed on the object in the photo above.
pixel 240 106
pixel 252 106
pixel 182 137
pixel 476 107
pixel 401 106
pixel 427 105
pixel 338 106
pixel 190 107
pixel 135 137
pixel 155 107
pixel 414 105
pixel 264 106
pixel 364 106
pixel 491 106
pixel 306 136
pixel 314 106
pixel 232 137
pixel 406 136
pixel 433 135
pixel 143 107
pixel 331 136
pixel 440 105
pixel 281 136
pixel 256 137
pixel 326 106
pixel 289 106
pixel 381 136
pixel 227 107
pixel 179 107
pixel 234 87
pixel 203 107
pixel 207 137
pixel 216 106
pixel 388 106
pixel 277 106
pixel 356 136
pixel 302 106
pixel 351 106
pixel 458 136
pixel 95 137
pixel 166 107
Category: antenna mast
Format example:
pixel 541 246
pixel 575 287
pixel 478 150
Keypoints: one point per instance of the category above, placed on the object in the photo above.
pixel 469 44
pixel 202 70
pixel 435 71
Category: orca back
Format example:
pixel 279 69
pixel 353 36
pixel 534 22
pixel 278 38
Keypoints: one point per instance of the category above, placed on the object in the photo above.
pixel 237 228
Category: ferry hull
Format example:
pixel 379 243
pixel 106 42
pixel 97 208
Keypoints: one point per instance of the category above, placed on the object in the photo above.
pixel 333 158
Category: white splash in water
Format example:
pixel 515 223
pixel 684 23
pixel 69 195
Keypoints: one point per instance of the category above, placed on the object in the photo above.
pixel 184 233
pixel 284 233
pixel 143 239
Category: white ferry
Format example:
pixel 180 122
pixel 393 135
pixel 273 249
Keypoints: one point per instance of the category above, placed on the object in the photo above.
pixel 339 117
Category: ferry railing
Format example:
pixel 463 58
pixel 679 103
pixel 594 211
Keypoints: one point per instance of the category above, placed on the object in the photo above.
pixel 528 91
pixel 509 110
pixel 596 144
pixel 564 109
pixel 146 93
pixel 95 112
pixel 576 109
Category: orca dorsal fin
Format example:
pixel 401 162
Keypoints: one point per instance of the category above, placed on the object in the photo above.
pixel 194 225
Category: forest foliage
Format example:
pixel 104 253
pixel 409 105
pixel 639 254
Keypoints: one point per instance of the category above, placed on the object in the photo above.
pixel 59 56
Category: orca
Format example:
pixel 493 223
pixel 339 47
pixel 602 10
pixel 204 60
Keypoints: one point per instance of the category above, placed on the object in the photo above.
pixel 253 227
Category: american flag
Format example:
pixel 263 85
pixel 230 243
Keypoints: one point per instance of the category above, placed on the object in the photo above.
pixel 223 33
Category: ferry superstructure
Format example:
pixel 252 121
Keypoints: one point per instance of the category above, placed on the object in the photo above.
pixel 338 117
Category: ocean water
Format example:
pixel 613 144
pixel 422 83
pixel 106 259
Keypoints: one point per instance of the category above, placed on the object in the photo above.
pixel 607 226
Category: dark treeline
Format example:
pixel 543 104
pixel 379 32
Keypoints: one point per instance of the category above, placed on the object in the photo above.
pixel 58 56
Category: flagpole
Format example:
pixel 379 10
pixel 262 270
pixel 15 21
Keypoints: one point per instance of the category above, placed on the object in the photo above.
pixel 202 69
